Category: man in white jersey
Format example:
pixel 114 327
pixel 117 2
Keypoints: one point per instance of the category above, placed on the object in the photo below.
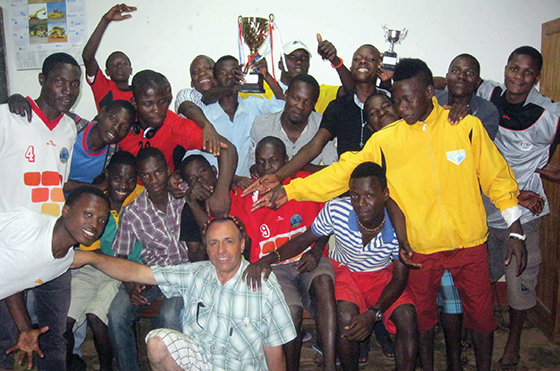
pixel 527 137
pixel 36 154
pixel 370 280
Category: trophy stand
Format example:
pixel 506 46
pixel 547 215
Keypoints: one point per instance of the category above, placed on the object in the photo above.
pixel 393 37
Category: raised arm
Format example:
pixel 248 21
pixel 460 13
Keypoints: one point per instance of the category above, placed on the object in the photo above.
pixel 114 14
pixel 120 269
pixel 327 51
pixel 219 203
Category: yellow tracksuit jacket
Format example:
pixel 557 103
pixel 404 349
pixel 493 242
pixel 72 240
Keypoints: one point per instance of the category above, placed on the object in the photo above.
pixel 435 172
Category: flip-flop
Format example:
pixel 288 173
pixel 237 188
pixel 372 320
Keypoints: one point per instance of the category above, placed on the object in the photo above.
pixel 387 346
pixel 500 366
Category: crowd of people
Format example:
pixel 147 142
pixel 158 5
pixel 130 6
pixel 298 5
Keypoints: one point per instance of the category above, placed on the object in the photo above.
pixel 222 211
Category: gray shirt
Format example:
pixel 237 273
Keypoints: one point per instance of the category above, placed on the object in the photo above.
pixel 270 125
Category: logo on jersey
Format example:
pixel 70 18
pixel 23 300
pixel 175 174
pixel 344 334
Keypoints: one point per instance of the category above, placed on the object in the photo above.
pixel 265 231
pixel 64 155
pixel 456 157
pixel 51 143
pixel 525 146
pixel 295 220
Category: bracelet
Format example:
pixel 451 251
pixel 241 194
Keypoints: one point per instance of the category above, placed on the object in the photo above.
pixel 278 255
pixel 518 236
pixel 338 65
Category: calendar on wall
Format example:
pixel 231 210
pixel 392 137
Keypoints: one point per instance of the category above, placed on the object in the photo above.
pixel 42 27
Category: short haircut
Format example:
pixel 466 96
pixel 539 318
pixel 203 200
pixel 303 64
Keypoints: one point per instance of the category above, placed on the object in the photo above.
pixel 77 193
pixel 121 158
pixel 147 79
pixel 531 52
pixel 409 68
pixel 121 103
pixel 201 56
pixel 470 57
pixel 273 141
pixel 367 46
pixel 149 152
pixel 309 80
pixel 190 159
pixel 113 55
pixel 230 218
pixel 52 60
pixel 223 59
pixel 378 94
pixel 370 169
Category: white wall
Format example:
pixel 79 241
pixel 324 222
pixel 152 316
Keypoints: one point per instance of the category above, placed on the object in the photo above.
pixel 165 35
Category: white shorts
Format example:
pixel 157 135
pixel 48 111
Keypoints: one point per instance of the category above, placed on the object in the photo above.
pixel 184 351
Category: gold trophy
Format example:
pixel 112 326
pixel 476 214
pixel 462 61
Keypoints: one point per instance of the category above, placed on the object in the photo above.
pixel 393 37
pixel 254 32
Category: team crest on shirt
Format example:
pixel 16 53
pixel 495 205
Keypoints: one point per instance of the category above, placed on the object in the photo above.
pixel 525 146
pixel 64 155
pixel 456 157
pixel 295 220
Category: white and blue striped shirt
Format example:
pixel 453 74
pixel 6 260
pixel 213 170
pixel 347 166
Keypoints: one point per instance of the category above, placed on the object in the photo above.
pixel 339 218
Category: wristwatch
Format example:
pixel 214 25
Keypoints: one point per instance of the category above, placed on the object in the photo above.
pixel 378 314
pixel 518 236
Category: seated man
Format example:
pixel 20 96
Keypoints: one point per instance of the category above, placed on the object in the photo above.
pixel 296 124
pixel 161 128
pixel 232 116
pixel 306 280
pixel 93 144
pixel 226 325
pixel 93 291
pixel 36 249
pixel 370 283
pixel 152 219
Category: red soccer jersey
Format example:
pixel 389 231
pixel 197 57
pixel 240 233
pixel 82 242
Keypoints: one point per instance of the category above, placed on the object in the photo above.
pixel 174 131
pixel 106 90
pixel 270 229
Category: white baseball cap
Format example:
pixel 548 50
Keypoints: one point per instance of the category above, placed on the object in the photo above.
pixel 295 45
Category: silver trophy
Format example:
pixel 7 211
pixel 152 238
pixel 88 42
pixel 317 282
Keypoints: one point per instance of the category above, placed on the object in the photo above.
pixel 393 37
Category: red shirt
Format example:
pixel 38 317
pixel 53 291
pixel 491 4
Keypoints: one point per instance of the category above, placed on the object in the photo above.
pixel 270 229
pixel 174 131
pixel 105 89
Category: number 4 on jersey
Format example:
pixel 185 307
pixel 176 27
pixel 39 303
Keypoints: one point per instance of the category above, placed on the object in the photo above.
pixel 30 154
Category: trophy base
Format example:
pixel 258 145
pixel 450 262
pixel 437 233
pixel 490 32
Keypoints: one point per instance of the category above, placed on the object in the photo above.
pixel 389 61
pixel 253 88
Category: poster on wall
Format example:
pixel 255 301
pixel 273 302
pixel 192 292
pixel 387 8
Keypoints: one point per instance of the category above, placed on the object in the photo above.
pixel 43 27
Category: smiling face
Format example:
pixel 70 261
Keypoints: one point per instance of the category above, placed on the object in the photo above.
pixel 380 112
pixel 151 106
pixel 59 89
pixel 413 99
pixel 118 68
pixel 224 246
pixel 368 199
pixel 85 219
pixel 365 64
pixel 202 74
pixel 154 173
pixel 114 124
pixel 121 181
pixel 297 63
pixel 463 77
pixel 521 74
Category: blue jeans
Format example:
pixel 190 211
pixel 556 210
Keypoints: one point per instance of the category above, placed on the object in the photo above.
pixel 123 313
pixel 52 301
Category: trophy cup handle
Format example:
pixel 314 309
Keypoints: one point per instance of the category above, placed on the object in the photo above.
pixel 271 17
pixel 385 30
pixel 404 32
pixel 240 19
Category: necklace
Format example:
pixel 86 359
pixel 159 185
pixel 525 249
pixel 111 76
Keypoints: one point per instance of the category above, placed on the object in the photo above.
pixel 364 123
pixel 371 230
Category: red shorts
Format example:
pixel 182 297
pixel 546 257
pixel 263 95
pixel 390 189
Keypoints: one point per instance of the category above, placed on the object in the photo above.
pixel 364 289
pixel 471 274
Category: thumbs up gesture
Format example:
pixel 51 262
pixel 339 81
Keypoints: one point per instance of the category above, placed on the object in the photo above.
pixel 326 49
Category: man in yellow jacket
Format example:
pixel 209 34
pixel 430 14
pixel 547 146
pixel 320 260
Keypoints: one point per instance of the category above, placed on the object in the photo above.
pixel 435 172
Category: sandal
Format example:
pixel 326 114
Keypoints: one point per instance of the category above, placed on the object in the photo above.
pixel 387 346
pixel 500 366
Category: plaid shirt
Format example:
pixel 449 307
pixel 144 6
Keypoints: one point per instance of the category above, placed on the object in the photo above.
pixel 158 232
pixel 230 322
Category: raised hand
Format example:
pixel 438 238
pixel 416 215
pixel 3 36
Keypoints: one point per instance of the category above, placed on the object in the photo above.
pixel 116 12
pixel 326 50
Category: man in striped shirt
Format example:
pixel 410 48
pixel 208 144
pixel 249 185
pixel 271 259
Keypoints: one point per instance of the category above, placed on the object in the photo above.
pixel 370 280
